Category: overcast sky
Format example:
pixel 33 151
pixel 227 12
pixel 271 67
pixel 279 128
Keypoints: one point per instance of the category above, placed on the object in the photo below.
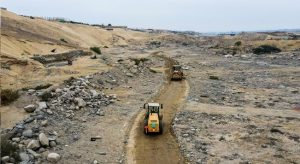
pixel 194 15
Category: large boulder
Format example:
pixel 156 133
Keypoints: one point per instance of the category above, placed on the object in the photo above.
pixel 53 157
pixel 33 144
pixel 30 108
pixel 43 139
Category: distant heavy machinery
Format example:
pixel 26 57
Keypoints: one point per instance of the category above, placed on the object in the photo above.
pixel 153 118
pixel 177 72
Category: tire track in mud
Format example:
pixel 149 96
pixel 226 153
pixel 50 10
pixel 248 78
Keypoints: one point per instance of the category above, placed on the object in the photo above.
pixel 149 149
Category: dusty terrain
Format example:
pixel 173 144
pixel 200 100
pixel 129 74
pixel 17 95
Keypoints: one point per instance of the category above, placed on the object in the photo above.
pixel 240 108
pixel 233 107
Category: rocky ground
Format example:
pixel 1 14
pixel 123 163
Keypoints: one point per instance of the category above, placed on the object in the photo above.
pixel 64 118
pixel 238 137
pixel 240 108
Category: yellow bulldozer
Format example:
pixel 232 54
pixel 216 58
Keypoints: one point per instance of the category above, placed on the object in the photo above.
pixel 177 72
pixel 153 118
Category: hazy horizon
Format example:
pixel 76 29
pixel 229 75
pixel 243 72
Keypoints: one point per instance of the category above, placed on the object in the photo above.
pixel 188 15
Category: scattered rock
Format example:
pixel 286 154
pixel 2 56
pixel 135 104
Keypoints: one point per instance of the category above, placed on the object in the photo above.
pixel 42 105
pixel 36 155
pixel 44 123
pixel 16 139
pixel 24 157
pixel 58 90
pixel 80 102
pixel 30 108
pixel 129 74
pixel 102 153
pixel 94 93
pixel 34 145
pixel 12 160
pixel 49 111
pixel 43 139
pixel 53 157
pixel 228 56
pixel 5 159
pixel 52 143
pixel 29 120
pixel 185 135
pixel 27 133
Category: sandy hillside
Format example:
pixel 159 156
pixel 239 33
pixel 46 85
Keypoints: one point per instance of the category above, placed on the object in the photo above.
pixel 22 37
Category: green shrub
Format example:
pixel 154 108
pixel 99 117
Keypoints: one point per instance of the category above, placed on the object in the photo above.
pixel 238 43
pixel 8 149
pixel 264 49
pixel 8 96
pixel 96 50
pixel 61 20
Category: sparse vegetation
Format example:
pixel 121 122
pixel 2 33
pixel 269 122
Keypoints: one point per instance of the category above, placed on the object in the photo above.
pixel 185 44
pixel 155 43
pixel 69 81
pixel 9 149
pixel 8 96
pixel 96 50
pixel 63 40
pixel 137 61
pixel 264 49
pixel 212 77
pixel 238 43
pixel 62 20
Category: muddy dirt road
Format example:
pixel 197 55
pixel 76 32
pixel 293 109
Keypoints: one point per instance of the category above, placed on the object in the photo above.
pixel 160 148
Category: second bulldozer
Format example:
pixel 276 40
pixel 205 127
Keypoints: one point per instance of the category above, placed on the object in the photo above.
pixel 176 72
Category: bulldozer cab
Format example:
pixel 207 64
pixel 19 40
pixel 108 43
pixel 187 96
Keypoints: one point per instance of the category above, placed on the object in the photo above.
pixel 177 68
pixel 153 118
pixel 177 72
pixel 153 107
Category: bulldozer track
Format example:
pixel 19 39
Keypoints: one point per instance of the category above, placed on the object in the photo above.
pixel 164 149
